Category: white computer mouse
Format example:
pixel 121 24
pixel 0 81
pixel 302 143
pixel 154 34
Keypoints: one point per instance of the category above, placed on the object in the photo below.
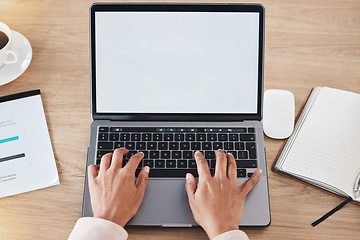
pixel 279 113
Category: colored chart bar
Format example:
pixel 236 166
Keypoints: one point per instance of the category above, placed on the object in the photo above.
pixel 9 139
pixel 12 157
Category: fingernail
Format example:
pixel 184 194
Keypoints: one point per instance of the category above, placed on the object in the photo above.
pixel 187 176
pixel 260 171
pixel 147 169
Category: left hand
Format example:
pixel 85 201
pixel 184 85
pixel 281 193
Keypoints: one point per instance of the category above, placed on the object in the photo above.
pixel 114 194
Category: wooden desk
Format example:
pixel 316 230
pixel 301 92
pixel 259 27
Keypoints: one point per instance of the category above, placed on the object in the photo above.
pixel 308 44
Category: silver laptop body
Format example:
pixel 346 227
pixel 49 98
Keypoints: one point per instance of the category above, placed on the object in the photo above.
pixel 171 67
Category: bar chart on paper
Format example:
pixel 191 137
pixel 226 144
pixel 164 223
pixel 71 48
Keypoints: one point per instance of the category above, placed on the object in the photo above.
pixel 10 157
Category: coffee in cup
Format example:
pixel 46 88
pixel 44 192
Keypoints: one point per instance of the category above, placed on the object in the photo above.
pixel 7 55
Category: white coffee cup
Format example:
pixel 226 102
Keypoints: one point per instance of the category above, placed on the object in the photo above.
pixel 7 56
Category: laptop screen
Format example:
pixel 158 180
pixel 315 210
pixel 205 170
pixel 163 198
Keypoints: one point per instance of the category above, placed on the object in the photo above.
pixel 174 62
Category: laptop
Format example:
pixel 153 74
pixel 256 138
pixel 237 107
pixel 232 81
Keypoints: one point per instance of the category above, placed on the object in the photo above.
pixel 170 79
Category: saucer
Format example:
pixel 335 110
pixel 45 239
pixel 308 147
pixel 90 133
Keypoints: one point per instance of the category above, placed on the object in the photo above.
pixel 21 45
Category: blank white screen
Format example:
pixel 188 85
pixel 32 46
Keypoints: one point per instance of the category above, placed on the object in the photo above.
pixel 176 62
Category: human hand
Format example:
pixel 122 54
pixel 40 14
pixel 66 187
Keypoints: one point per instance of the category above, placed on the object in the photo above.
pixel 113 192
pixel 217 202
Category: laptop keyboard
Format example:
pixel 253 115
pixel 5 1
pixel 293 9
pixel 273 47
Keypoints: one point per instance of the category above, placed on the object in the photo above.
pixel 169 152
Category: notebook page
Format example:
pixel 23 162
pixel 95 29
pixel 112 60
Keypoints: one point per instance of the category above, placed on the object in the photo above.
pixel 327 147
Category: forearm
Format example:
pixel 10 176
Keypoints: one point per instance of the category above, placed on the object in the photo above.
pixel 97 228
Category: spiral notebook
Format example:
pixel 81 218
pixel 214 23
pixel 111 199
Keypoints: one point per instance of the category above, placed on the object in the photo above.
pixel 324 149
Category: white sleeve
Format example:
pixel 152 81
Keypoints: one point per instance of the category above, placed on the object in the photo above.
pixel 232 235
pixel 97 228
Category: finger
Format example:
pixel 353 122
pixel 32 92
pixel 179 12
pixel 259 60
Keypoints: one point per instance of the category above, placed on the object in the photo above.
pixel 117 158
pixel 134 161
pixel 190 185
pixel 202 165
pixel 250 183
pixel 221 163
pixel 92 172
pixel 142 179
pixel 231 167
pixel 105 162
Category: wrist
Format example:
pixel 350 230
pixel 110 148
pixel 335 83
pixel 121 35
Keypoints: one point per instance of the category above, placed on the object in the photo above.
pixel 217 229
pixel 114 219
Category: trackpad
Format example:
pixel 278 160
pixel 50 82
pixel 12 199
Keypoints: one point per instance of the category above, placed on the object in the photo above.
pixel 165 204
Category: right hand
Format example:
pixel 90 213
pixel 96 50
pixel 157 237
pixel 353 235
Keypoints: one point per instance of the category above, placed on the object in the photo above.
pixel 217 202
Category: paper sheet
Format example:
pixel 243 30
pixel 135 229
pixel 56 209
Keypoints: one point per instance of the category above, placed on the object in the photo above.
pixel 26 157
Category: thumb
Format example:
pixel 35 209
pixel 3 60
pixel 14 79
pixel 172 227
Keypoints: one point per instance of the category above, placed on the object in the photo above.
pixel 142 179
pixel 190 185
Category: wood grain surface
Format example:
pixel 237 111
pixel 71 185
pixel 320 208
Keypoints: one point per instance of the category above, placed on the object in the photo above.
pixel 308 44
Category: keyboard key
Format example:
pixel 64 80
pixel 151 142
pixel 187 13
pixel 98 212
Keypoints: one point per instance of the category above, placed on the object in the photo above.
pixel 223 137
pixel 170 163
pixel 250 146
pixel 234 153
pixel 125 137
pixel 212 164
pixel 192 164
pixel 135 137
pixel 119 145
pixel 149 163
pixel 250 174
pixel 247 137
pixel 168 137
pixel 206 146
pixel 98 161
pixel 182 163
pixel 165 154
pixel 190 137
pixel 151 145
pixel 251 130
pixel 103 129
pixel 146 154
pixel 212 137
pixel 242 155
pixel 195 146
pixel 103 136
pixel 209 155
pixel 217 145
pixel 174 146
pixel 114 137
pixel 184 146
pixel 233 137
pixel 141 145
pixel 154 154
pixel 130 145
pixel 239 146
pixel 188 155
pixel 201 137
pixel 228 145
pixel 179 136
pixel 176 155
pixel 170 172
pixel 241 173
pixel 246 163
pixel 159 163
pixel 105 145
pixel 129 154
pixel 157 137
pixel 102 153
pixel 146 137
pixel 163 146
